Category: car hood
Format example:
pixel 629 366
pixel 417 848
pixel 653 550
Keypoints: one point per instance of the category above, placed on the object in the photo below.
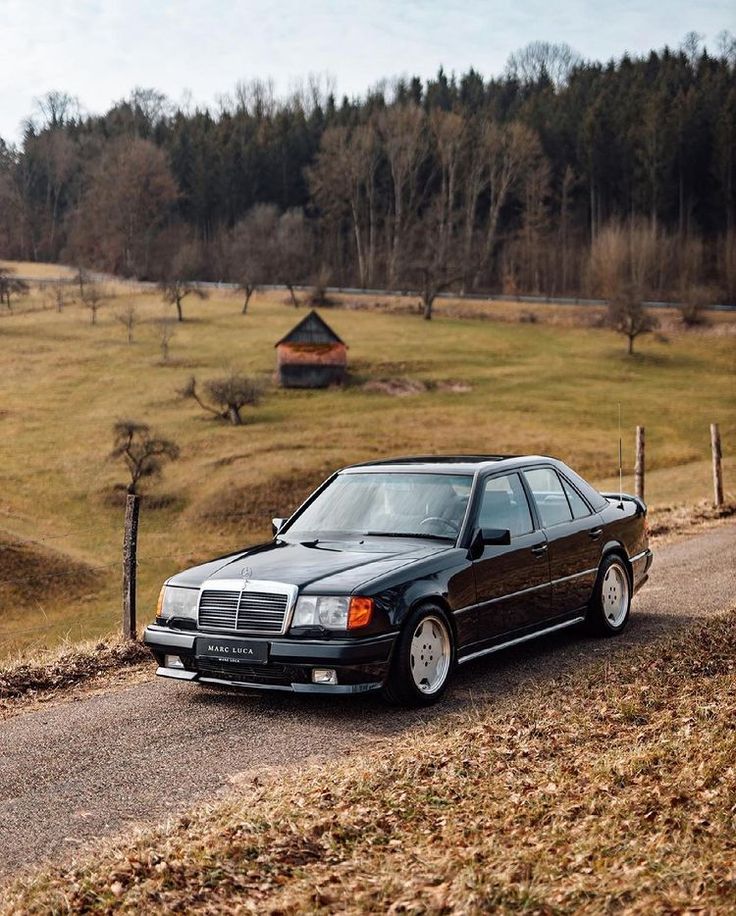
pixel 331 565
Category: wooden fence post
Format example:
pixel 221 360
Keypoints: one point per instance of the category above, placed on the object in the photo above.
pixel 130 545
pixel 715 447
pixel 639 466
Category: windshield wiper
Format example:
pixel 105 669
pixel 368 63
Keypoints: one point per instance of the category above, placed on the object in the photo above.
pixel 408 534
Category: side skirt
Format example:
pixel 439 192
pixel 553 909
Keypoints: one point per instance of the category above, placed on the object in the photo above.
pixel 519 639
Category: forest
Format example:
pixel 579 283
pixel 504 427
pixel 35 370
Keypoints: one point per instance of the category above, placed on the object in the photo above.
pixel 559 177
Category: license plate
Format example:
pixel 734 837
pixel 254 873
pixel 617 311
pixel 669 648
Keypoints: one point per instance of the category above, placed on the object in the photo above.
pixel 232 650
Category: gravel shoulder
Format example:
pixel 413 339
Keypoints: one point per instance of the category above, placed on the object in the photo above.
pixel 142 752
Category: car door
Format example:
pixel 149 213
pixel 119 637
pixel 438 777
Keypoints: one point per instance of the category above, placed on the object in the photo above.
pixel 511 580
pixel 573 533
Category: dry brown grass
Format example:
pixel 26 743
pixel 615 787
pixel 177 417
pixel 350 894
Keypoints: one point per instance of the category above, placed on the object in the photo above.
pixel 489 386
pixel 615 791
pixel 32 572
pixel 53 674
pixel 667 522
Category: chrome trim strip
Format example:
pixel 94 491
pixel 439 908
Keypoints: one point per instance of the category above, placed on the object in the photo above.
pixel 524 591
pixel 176 673
pixel 639 556
pixel 520 639
pixel 226 683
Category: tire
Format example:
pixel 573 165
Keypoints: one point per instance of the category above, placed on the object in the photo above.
pixel 418 676
pixel 610 606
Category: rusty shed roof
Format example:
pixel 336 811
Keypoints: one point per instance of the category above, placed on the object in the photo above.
pixel 312 329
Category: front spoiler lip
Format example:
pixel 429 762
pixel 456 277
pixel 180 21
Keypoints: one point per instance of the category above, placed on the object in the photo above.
pixel 371 649
pixel 180 675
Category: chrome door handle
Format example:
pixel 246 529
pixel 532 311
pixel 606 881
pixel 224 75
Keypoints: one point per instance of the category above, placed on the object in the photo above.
pixel 539 550
pixel 595 533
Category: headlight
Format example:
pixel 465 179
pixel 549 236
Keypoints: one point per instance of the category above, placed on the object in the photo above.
pixel 333 612
pixel 178 602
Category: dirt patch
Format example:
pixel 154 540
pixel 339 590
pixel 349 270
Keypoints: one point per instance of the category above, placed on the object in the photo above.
pixel 406 387
pixel 29 571
pixel 252 507
pixel 668 522
pixel 396 387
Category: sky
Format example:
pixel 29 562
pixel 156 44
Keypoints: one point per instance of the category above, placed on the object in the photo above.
pixel 99 50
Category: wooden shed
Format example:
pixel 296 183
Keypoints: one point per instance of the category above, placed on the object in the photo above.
pixel 311 355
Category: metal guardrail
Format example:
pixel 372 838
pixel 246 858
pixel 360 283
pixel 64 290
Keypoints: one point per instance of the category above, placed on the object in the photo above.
pixel 403 293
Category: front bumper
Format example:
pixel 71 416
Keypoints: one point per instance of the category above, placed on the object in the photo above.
pixel 361 664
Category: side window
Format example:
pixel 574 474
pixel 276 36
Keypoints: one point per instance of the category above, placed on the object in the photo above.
pixel 580 508
pixel 549 496
pixel 504 505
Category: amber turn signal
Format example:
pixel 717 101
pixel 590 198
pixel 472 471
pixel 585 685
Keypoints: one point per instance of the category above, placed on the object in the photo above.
pixel 160 602
pixel 359 612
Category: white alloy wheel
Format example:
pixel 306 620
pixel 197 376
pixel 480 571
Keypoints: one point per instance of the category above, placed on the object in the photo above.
pixel 615 595
pixel 430 654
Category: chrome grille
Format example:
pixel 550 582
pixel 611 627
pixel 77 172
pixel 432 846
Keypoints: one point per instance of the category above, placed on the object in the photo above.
pixel 248 610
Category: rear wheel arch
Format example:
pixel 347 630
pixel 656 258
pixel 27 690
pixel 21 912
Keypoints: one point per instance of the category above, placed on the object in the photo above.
pixel 617 548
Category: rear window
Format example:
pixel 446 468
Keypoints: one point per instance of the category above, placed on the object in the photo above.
pixel 580 508
pixel 549 496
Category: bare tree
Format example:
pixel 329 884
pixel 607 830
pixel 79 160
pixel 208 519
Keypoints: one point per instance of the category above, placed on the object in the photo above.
pixel 448 132
pixel 166 330
pixel 343 183
pixel 510 150
pixel 95 295
pixel 252 254
pixel 82 278
pixel 58 293
pixel 129 193
pixel 435 280
pixel 143 452
pixel 128 318
pixel 404 142
pixel 11 286
pixel 695 299
pixel 691 45
pixel 229 395
pixel 54 109
pixel 175 290
pixel 292 245
pixel 627 315
pixel 540 59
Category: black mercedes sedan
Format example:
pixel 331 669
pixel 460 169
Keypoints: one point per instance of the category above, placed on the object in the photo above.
pixel 394 572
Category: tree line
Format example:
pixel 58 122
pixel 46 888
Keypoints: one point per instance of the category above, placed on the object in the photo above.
pixel 559 177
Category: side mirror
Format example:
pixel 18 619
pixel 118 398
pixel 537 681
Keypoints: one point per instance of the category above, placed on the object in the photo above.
pixel 483 536
pixel 496 536
pixel 276 525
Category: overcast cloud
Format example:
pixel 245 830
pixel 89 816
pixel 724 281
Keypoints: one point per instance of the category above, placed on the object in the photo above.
pixel 99 50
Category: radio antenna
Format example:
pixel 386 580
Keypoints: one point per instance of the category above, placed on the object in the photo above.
pixel 620 462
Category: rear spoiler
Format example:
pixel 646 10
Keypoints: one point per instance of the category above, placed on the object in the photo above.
pixel 627 497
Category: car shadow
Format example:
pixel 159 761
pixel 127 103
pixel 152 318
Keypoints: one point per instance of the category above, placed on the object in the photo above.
pixel 491 678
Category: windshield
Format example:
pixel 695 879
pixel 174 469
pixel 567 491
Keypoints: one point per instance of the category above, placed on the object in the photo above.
pixel 395 505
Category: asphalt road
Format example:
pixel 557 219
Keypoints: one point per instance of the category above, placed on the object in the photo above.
pixel 88 768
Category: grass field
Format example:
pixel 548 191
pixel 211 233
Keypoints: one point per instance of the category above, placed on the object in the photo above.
pixel 492 386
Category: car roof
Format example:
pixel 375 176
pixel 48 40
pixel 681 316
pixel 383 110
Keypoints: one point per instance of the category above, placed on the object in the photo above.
pixel 448 464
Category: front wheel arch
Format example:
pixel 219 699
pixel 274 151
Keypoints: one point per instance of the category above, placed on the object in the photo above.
pixel 436 601
pixel 399 688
